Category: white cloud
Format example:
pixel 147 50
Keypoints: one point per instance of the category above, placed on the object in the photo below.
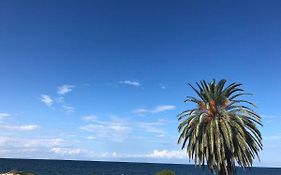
pixel 29 147
pixel 113 130
pixel 157 109
pixel 64 151
pixel 33 143
pixel 118 130
pixel 89 118
pixel 47 100
pixel 3 115
pixel 3 140
pixel 68 109
pixel 13 142
pixel 132 83
pixel 166 154
pixel 163 108
pixel 109 155
pixel 141 111
pixel 153 127
pixel 90 138
pixel 64 89
pixel 155 154
pixel 92 127
pixel 19 127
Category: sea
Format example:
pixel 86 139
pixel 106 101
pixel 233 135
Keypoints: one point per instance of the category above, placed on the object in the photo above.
pixel 71 167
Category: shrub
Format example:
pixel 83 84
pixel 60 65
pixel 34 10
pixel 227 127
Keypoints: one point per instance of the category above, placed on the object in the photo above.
pixel 165 172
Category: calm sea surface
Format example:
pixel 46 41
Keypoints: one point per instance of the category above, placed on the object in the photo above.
pixel 67 167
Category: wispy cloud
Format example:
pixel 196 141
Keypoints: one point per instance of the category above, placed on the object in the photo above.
pixel 163 108
pixel 29 142
pixel 157 109
pixel 14 127
pixel 166 154
pixel 114 130
pixel 59 100
pixel 90 137
pixel 47 100
pixel 64 89
pixel 131 83
pixel 33 143
pixel 68 109
pixel 109 155
pixel 153 127
pixel 19 127
pixel 118 129
pixel 115 127
pixel 155 154
pixel 26 147
pixel 4 115
pixel 65 151
pixel 91 118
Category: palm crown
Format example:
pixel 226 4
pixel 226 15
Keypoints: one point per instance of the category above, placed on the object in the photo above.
pixel 222 129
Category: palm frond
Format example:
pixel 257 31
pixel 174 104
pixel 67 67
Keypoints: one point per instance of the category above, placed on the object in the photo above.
pixel 222 130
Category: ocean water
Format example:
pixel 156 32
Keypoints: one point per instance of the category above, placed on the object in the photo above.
pixel 68 167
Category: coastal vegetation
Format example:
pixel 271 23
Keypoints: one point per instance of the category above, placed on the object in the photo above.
pixel 166 172
pixel 221 129
pixel 14 172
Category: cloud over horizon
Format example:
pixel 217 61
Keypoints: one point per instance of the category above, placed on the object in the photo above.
pixel 167 154
pixel 65 151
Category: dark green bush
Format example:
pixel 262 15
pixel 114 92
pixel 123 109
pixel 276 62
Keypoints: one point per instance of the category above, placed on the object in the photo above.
pixel 165 172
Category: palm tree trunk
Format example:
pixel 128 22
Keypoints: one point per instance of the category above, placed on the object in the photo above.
pixel 222 171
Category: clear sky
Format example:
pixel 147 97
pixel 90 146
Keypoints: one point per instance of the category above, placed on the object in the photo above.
pixel 104 80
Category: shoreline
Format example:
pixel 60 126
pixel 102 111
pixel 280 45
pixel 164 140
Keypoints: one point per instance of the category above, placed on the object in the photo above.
pixel 129 162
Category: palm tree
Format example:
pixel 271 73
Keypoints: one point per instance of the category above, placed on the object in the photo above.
pixel 221 129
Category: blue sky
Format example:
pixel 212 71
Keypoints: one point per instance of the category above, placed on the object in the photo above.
pixel 104 80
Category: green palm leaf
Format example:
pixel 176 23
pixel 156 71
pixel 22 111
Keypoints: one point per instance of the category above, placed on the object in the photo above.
pixel 222 130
